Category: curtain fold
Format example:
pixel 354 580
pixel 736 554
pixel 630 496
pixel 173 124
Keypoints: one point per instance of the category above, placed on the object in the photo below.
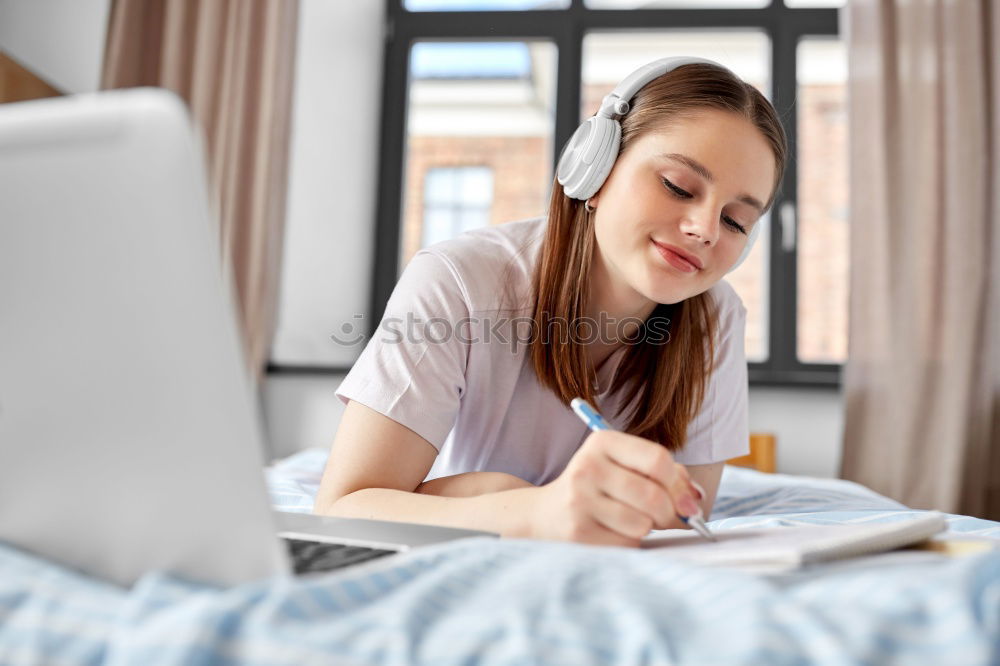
pixel 232 61
pixel 922 381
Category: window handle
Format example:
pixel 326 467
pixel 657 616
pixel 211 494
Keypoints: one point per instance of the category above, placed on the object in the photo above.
pixel 786 213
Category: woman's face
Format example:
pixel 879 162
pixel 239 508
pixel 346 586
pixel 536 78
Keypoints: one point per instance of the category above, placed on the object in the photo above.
pixel 685 187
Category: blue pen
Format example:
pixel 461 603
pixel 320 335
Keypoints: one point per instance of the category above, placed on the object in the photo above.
pixel 596 422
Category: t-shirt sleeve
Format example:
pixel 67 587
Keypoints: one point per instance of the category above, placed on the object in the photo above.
pixel 413 368
pixel 721 429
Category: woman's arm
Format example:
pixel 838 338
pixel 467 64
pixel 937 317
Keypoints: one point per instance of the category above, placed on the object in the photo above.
pixel 614 490
pixel 376 468
pixel 471 484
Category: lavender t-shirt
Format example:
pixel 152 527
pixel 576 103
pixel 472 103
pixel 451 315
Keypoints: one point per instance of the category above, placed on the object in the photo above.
pixel 450 362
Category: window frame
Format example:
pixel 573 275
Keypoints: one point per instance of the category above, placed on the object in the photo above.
pixel 566 28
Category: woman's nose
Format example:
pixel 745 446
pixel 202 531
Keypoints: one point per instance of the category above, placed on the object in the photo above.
pixel 701 226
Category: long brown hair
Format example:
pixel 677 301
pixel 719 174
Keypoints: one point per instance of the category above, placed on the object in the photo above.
pixel 662 386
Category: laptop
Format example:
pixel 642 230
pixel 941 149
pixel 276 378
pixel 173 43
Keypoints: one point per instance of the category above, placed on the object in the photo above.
pixel 130 437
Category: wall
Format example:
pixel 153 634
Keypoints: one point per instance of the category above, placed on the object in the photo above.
pixel 327 268
pixel 300 412
pixel 331 196
pixel 809 424
pixel 62 41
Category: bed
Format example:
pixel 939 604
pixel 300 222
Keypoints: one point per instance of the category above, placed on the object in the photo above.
pixel 496 601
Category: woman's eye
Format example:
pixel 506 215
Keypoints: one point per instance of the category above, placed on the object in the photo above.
pixel 676 190
pixel 733 224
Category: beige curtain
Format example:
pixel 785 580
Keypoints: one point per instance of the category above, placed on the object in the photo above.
pixel 232 61
pixel 922 383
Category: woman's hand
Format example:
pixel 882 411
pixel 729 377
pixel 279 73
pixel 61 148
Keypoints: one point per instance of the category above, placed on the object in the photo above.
pixel 614 491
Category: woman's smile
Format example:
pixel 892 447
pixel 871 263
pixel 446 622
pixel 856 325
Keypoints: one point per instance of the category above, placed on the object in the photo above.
pixel 674 258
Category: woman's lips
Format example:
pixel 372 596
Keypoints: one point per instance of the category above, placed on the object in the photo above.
pixel 674 259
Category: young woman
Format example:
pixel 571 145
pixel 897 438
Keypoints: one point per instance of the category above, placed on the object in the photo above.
pixel 457 410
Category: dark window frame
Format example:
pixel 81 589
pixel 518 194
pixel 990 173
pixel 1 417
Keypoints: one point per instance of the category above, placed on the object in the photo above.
pixel 566 28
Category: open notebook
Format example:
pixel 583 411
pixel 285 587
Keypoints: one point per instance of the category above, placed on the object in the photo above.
pixel 784 548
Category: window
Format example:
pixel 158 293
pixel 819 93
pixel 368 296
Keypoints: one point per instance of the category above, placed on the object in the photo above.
pixel 678 4
pixel 481 5
pixel 455 200
pixel 821 236
pixel 481 105
pixel 500 85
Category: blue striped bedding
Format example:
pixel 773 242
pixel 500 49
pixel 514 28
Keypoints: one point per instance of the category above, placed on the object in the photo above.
pixel 489 601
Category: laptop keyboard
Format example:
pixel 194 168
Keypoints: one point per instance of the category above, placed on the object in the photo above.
pixel 316 556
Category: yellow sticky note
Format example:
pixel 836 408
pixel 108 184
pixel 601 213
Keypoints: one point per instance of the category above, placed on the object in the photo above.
pixel 957 547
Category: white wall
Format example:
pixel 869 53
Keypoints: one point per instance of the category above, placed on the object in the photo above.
pixel 62 41
pixel 808 423
pixel 332 191
pixel 300 412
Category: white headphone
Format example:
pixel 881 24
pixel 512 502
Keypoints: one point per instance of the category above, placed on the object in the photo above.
pixel 590 153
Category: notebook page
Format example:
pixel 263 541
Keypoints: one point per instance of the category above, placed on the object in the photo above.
pixel 782 548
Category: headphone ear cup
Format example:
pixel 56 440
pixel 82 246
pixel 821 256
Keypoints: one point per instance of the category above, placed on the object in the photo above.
pixel 588 157
pixel 749 246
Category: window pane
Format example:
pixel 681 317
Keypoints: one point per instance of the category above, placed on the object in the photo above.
pixel 475 187
pixel 437 188
pixel 455 200
pixel 481 5
pixel 676 4
pixel 815 3
pixel 479 137
pixel 608 57
pixel 822 201
pixel 469 60
pixel 751 282
pixel 437 225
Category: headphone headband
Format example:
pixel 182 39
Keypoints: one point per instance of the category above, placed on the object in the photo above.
pixel 616 103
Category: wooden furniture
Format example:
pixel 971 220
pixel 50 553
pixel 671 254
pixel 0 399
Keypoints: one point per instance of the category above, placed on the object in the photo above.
pixel 762 453
pixel 17 83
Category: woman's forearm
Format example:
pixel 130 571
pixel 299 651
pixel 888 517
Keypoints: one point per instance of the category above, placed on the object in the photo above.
pixel 507 513
pixel 471 484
